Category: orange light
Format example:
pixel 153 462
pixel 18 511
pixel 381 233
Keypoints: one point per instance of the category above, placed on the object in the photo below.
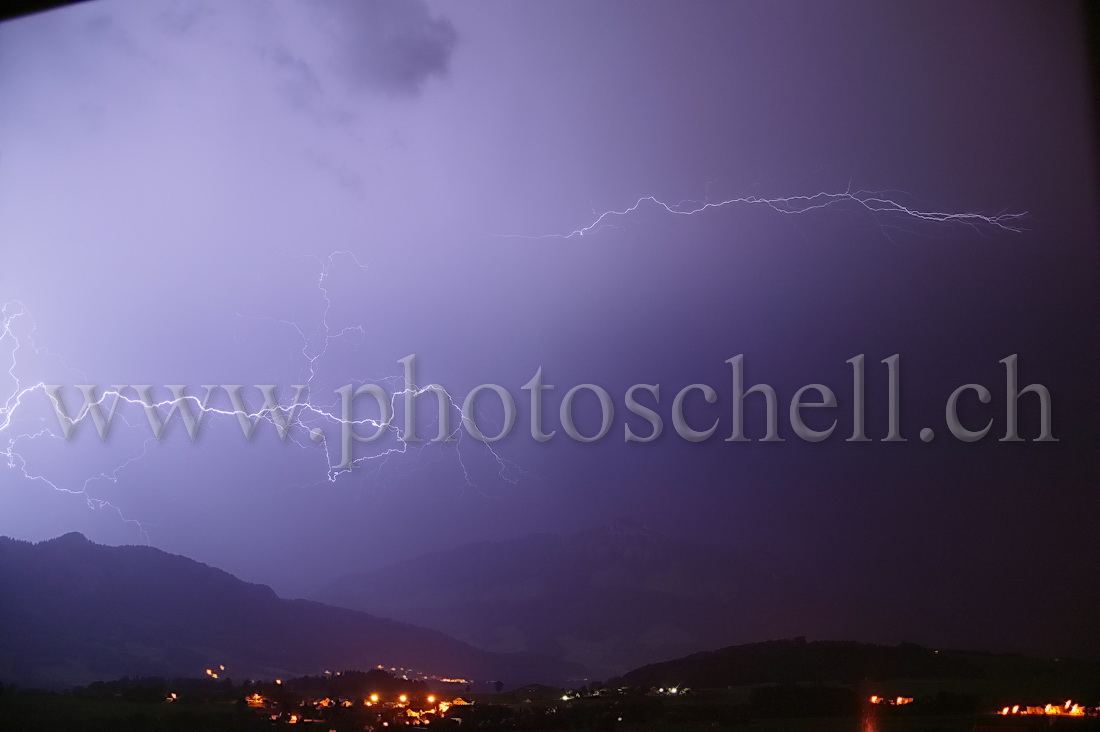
pixel 431 700
pixel 402 698
pixel 374 697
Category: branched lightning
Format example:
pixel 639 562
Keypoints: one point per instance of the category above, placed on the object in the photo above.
pixel 326 412
pixel 302 427
pixel 11 314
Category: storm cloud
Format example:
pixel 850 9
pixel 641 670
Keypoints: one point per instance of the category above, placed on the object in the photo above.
pixel 393 46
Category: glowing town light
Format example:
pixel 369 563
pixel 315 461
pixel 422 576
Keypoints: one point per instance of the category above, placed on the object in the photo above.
pixel 374 697
pixel 402 698
pixel 431 700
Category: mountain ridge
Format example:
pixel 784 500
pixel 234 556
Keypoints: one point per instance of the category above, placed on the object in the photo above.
pixel 85 611
pixel 610 598
pixel 798 661
pixel 619 597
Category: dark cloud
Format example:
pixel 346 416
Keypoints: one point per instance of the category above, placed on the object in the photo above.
pixel 298 82
pixel 394 45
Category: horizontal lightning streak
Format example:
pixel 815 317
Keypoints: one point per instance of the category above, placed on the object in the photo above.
pixel 874 202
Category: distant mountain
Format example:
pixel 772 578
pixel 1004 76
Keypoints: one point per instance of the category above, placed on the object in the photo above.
pixel 794 661
pixel 72 611
pixel 609 599
pixel 619 597
pixel 834 662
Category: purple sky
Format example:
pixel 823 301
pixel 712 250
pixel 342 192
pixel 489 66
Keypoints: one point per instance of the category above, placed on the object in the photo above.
pixel 172 176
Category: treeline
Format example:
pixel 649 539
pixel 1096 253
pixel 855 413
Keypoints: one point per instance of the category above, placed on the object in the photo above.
pixel 44 711
pixel 157 689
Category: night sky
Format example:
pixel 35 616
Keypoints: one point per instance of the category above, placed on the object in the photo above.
pixel 175 179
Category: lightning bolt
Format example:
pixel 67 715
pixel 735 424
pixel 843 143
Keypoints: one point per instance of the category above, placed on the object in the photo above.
pixel 11 315
pixel 326 412
pixel 877 204
pixel 315 344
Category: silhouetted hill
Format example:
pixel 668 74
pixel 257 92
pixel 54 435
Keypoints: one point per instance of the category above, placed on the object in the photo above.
pixel 72 611
pixel 834 662
pixel 609 599
pixel 616 598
